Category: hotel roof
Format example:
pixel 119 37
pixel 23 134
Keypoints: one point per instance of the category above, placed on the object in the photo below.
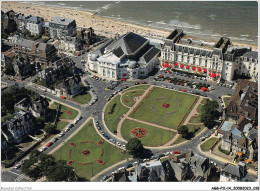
pixel 61 20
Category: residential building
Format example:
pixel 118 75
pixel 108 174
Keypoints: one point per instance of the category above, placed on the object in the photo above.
pixel 6 62
pixel 61 27
pixel 244 102
pixel 152 171
pixel 19 127
pixel 35 25
pixel 69 87
pixel 220 60
pixel 23 66
pixel 87 35
pixel 4 147
pixel 39 52
pixel 40 107
pixel 233 173
pixel 240 137
pixel 21 20
pixel 8 23
pixel 129 56
pixel 189 167
pixel 69 45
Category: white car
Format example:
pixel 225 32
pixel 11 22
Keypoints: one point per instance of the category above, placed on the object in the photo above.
pixel 17 166
pixel 43 149
pixel 67 129
pixel 61 135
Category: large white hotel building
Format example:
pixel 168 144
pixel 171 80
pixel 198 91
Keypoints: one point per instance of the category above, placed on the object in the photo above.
pixel 220 60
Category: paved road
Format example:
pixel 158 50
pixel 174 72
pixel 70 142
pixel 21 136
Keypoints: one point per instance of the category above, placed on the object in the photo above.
pixel 97 108
pixel 13 175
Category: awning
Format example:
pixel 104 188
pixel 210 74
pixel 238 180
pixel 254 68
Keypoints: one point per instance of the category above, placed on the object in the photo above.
pixel 181 65
pixel 193 68
pixel 239 153
pixel 218 75
pixel 187 67
pixel 176 64
pixel 205 70
pixel 123 79
pixel 199 69
pixel 209 74
pixel 213 75
pixel 170 65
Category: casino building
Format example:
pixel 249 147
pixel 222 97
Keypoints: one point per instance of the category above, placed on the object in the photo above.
pixel 220 60
pixel 127 57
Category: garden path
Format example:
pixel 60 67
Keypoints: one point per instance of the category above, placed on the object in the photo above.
pixel 130 111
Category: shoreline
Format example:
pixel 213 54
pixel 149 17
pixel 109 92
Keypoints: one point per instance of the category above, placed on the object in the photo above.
pixel 102 25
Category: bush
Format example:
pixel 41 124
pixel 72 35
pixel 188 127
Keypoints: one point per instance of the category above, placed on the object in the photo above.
pixel 112 109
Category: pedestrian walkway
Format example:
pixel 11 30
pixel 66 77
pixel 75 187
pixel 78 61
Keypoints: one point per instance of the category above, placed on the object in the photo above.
pixel 130 111
pixel 193 111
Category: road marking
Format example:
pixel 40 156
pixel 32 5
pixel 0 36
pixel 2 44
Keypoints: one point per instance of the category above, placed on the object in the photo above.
pixel 19 178
pixel 14 173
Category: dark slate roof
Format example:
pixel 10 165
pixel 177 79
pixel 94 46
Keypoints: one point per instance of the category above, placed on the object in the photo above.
pixel 36 19
pixel 121 177
pixel 150 54
pixel 253 134
pixel 251 54
pixel 5 130
pixel 232 169
pixel 129 43
pixel 118 52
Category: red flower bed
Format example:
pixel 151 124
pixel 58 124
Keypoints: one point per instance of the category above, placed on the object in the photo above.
pixel 102 151
pixel 100 143
pixel 85 163
pixel 70 162
pixel 85 152
pixel 139 132
pixel 72 144
pixel 100 162
pixel 165 105
pixel 69 112
pixel 69 153
pixel 125 100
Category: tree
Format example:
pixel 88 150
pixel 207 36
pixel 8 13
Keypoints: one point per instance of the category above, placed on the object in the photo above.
pixel 135 147
pixel 40 121
pixel 49 128
pixel 209 113
pixel 184 131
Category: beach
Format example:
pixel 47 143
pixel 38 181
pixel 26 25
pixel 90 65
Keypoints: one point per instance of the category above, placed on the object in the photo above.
pixel 101 25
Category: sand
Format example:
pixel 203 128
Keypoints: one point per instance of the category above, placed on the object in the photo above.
pixel 102 26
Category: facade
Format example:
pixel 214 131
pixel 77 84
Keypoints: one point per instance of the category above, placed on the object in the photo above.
pixel 40 107
pixel 130 56
pixel 23 66
pixel 17 128
pixel 35 25
pixel 8 23
pixel 189 166
pixel 220 60
pixel 5 62
pixel 70 87
pixel 61 27
pixel 233 173
pixel 244 102
pixel 69 45
pixel 241 137
pixel 37 52
pixel 87 35
pixel 150 171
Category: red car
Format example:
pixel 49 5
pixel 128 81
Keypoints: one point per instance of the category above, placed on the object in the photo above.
pixel 49 144
pixel 62 97
pixel 79 54
pixel 144 82
pixel 176 152
pixel 184 90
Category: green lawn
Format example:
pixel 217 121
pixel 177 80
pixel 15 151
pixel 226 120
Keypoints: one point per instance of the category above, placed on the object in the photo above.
pixel 204 100
pixel 155 136
pixel 206 145
pixel 128 98
pixel 195 119
pixel 61 125
pixel 227 100
pixel 151 110
pixel 82 98
pixel 63 113
pixel 113 119
pixel 110 156
pixel 143 87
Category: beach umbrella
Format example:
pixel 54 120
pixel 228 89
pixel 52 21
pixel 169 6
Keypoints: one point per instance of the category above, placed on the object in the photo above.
pixel 218 75
pixel 187 67
pixel 205 70
pixel 213 75
pixel 199 69
pixel 193 68
pixel 166 65
pixel 181 65
pixel 176 64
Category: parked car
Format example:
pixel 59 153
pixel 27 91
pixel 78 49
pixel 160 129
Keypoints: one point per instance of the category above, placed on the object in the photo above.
pixel 61 135
pixel 71 125
pixel 176 152
pixel 129 165
pixel 43 149
pixel 202 138
pixel 49 144
pixel 54 139
pixel 137 83
pixel 17 166
pixel 143 82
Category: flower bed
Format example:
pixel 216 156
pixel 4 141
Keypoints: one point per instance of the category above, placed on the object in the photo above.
pixel 149 93
pixel 139 105
pixel 69 153
pixel 69 112
pixel 85 152
pixel 72 144
pixel 125 100
pixel 139 132
pixel 102 151
pixel 165 105
pixel 100 162
pixel 70 162
pixel 100 142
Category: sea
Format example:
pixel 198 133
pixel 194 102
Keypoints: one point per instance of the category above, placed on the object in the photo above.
pixel 237 20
